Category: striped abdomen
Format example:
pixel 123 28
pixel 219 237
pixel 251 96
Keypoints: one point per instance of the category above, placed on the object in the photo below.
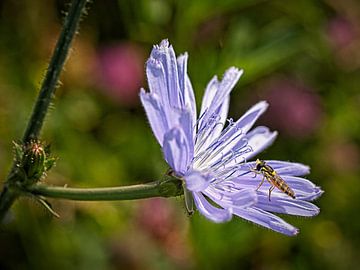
pixel 280 183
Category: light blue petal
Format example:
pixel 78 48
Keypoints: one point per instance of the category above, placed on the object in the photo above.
pixel 155 115
pixel 229 199
pixel 286 168
pixel 162 74
pixel 157 81
pixel 185 121
pixel 285 205
pixel 266 219
pixel 196 182
pixel 211 131
pixel 249 118
pixel 211 212
pixel 176 150
pixel 186 89
pixel 245 123
pixel 310 197
pixel 209 94
pixel 289 168
pixel 303 188
pixel 216 93
pixel 258 140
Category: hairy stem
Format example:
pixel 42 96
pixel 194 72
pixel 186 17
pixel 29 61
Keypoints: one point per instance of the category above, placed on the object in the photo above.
pixel 48 87
pixel 57 62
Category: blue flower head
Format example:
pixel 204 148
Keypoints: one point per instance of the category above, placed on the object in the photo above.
pixel 211 153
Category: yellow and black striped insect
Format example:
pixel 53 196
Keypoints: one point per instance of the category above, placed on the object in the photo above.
pixel 272 177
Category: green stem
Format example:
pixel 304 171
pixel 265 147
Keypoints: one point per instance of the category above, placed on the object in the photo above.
pixel 57 62
pixel 9 193
pixel 170 188
pixel 7 198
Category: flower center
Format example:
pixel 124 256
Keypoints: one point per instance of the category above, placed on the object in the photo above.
pixel 219 151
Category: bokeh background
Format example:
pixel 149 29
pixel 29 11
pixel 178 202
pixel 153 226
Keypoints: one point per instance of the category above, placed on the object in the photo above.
pixel 301 56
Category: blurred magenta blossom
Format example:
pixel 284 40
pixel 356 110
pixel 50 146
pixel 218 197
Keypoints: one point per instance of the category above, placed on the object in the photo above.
pixel 158 218
pixel 343 156
pixel 341 32
pixel 120 72
pixel 344 37
pixel 295 108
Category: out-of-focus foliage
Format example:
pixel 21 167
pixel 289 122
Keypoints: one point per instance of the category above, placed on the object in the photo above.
pixel 302 56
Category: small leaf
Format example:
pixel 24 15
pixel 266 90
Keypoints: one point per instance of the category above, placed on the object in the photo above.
pixel 49 163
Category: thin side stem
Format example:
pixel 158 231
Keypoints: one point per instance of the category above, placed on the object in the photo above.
pixel 153 189
pixel 98 194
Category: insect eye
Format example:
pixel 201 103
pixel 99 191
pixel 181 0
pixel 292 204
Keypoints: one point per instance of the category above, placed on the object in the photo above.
pixel 258 167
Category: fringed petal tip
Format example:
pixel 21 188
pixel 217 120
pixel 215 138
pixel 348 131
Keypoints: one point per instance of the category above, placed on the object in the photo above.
pixel 233 71
pixel 316 212
pixel 162 45
pixel 315 195
pixel 295 232
pixel 266 219
pixel 182 57
pixel 262 105
pixel 163 48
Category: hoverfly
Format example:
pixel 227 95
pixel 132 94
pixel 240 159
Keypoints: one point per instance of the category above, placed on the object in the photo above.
pixel 272 177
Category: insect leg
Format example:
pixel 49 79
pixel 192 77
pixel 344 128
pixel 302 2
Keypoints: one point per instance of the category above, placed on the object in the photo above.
pixel 271 189
pixel 262 182
pixel 256 172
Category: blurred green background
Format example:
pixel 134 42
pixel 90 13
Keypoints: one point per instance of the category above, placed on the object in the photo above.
pixel 301 56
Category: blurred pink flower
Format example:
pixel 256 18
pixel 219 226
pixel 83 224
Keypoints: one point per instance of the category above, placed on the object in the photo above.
pixel 294 108
pixel 158 223
pixel 120 72
pixel 159 219
pixel 343 156
pixel 341 32
pixel 344 38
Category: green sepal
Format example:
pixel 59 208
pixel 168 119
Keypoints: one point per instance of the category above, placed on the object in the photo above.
pixel 18 151
pixel 49 163
pixel 189 201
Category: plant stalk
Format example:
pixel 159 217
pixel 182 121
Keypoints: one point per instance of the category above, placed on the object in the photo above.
pixel 10 190
pixel 169 188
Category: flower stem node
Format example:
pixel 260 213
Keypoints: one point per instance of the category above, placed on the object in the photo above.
pixel 33 160
pixel 171 186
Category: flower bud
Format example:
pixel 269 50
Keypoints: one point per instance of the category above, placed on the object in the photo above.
pixel 34 160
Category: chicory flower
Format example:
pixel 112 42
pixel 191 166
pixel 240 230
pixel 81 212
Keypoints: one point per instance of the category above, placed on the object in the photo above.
pixel 211 153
